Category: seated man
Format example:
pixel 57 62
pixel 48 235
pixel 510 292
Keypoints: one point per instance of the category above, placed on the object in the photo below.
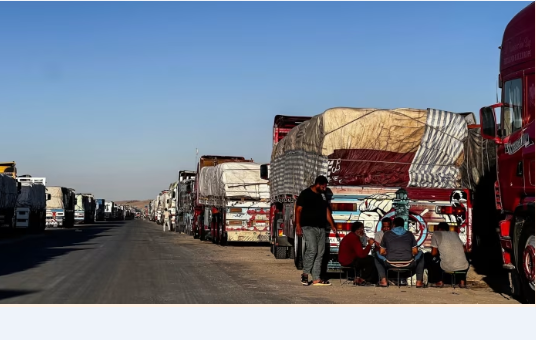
pixel 352 254
pixel 398 246
pixel 386 226
pixel 449 247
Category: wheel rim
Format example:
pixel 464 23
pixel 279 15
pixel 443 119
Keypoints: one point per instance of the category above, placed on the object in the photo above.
pixel 528 261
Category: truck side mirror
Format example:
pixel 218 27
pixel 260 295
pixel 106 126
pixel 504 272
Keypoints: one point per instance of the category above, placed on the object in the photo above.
pixel 488 123
pixel 264 172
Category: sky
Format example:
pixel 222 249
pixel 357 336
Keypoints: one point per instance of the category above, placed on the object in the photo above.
pixel 114 98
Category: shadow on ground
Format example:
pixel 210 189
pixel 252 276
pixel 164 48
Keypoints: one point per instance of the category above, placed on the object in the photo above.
pixel 29 253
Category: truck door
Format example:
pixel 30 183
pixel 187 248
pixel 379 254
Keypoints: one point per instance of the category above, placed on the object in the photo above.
pixel 510 155
pixel 528 152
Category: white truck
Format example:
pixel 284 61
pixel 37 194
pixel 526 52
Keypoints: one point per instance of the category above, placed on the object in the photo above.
pixel 236 202
pixel 109 207
pixel 30 213
pixel 60 207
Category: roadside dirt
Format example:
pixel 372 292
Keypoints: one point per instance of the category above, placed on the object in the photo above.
pixel 258 269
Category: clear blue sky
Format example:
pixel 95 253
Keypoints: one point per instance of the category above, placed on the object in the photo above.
pixel 113 98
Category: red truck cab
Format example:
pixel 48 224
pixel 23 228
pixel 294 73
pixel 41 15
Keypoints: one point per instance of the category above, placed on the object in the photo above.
pixel 510 124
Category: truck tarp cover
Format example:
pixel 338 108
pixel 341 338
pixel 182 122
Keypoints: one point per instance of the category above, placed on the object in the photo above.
pixel 372 147
pixel 8 192
pixel 56 198
pixel 233 180
pixel 32 196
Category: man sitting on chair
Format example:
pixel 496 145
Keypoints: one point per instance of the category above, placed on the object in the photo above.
pixel 352 254
pixel 449 247
pixel 400 250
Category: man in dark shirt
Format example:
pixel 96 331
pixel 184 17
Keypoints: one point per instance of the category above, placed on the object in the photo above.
pixel 398 246
pixel 312 215
pixel 352 254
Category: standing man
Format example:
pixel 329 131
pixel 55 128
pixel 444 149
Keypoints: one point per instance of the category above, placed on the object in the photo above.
pixel 167 221
pixel 312 215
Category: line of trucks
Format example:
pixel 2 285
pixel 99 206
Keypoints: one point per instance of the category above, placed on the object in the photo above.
pixel 424 165
pixel 28 204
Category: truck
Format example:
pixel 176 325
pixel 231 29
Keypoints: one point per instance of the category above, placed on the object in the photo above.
pixel 109 208
pixel 236 202
pixel 510 125
pixel 8 169
pixel 185 201
pixel 100 207
pixel 9 191
pixel 85 208
pixel 30 213
pixel 380 163
pixel 60 207
pixel 201 220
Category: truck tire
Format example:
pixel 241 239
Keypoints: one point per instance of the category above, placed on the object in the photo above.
pixel 224 239
pixel 525 260
pixel 298 252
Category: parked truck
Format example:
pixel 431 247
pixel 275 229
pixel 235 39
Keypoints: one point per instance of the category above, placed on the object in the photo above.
pixel 236 202
pixel 185 201
pixel 201 224
pixel 513 133
pixel 8 169
pixel 100 208
pixel 9 190
pixel 85 208
pixel 60 207
pixel 30 213
pixel 379 164
pixel 109 208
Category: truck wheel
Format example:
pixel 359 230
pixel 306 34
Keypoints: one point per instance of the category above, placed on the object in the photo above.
pixel 525 261
pixel 298 251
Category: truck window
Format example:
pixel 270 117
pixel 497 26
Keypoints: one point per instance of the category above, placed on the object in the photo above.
pixel 530 97
pixel 512 112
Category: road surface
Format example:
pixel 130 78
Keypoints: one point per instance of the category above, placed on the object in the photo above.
pixel 134 262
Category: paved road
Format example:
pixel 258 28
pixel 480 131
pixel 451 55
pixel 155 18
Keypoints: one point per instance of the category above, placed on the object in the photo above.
pixel 135 262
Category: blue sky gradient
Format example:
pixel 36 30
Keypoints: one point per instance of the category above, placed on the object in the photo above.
pixel 114 98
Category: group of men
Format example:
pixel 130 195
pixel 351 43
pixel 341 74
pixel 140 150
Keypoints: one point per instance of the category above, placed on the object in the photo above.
pixel 392 247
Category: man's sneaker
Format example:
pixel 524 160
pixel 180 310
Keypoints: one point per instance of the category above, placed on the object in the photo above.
pixel 305 279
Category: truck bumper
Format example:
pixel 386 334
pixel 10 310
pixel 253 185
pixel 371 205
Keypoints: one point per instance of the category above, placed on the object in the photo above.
pixel 247 236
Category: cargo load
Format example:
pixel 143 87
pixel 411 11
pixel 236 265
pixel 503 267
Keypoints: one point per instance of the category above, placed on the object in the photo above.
pixel 233 181
pixel 373 147
pixel 8 192
pixel 32 196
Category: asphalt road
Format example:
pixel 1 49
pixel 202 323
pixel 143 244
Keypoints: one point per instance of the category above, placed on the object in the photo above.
pixel 134 262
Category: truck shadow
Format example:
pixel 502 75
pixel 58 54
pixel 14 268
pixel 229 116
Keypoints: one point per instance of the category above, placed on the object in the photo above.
pixel 29 253
pixel 9 293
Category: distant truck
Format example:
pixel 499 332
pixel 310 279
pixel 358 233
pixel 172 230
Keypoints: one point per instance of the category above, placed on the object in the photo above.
pixel 30 213
pixel 109 208
pixel 236 202
pixel 9 190
pixel 202 211
pixel 100 209
pixel 8 169
pixel 60 207
pixel 85 208
pixel 185 201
